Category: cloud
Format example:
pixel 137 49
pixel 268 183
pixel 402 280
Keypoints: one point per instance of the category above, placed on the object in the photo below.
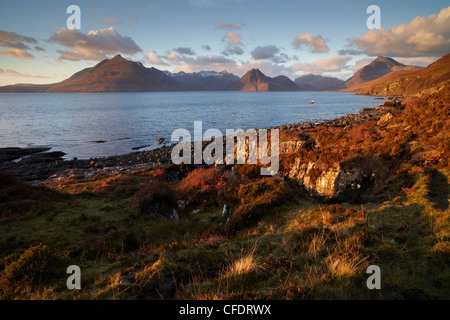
pixel 133 18
pixel 332 64
pixel 350 52
pixel 232 38
pixel 16 53
pixel 422 37
pixel 212 59
pixel 206 47
pixel 228 25
pixel 13 73
pixel 232 50
pixel 418 61
pixel 16 45
pixel 109 21
pixel 37 48
pixel 270 53
pixel 316 44
pixel 209 3
pixel 95 45
pixel 186 51
pixel 263 53
pixel 199 60
pixel 234 43
pixel 12 37
pixel 155 59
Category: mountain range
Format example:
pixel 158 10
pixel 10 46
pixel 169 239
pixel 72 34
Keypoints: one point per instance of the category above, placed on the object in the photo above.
pixel 121 75
pixel 205 80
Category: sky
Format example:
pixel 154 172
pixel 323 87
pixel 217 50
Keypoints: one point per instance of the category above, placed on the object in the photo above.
pixel 292 38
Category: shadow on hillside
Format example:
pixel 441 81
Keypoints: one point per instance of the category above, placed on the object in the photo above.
pixel 438 189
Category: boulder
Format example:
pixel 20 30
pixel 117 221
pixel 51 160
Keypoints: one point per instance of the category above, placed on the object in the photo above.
pixel 385 119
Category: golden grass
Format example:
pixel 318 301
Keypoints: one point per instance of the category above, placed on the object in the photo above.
pixel 246 263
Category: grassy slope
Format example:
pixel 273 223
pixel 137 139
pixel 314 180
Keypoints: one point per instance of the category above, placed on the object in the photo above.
pixel 300 249
pixel 279 243
pixel 435 74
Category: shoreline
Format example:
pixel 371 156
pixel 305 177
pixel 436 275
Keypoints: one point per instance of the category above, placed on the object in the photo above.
pixel 37 166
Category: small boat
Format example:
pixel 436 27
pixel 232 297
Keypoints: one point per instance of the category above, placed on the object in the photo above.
pixel 311 102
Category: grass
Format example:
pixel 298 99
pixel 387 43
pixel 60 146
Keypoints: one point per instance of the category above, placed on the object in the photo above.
pixel 299 249
pixel 277 242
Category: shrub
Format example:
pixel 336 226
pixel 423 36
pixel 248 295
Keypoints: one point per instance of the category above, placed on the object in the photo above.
pixel 253 198
pixel 203 184
pixel 18 198
pixel 34 267
pixel 251 171
pixel 265 192
pixel 156 198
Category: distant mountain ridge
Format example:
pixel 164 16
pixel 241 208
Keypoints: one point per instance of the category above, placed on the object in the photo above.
pixel 122 75
pixel 312 82
pixel 205 80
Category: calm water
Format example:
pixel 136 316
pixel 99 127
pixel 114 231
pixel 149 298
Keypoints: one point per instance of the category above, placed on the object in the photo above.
pixel 72 122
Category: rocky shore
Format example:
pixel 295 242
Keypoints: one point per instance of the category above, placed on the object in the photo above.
pixel 37 165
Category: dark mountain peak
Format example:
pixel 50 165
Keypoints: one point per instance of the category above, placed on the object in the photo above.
pixel 388 61
pixel 254 75
pixel 374 70
pixel 117 75
pixel 118 58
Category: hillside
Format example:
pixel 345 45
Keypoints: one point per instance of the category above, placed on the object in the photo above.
pixel 378 68
pixel 435 75
pixel 255 80
pixel 114 75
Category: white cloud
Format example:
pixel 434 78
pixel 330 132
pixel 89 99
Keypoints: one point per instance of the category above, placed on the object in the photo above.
pixel 418 61
pixel 316 44
pixel 422 37
pixel 96 45
pixel 13 73
pixel 233 38
pixel 15 45
pixel 16 53
pixel 155 59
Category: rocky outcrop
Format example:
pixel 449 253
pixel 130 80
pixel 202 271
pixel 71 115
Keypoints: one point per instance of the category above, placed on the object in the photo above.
pixel 333 180
pixel 385 119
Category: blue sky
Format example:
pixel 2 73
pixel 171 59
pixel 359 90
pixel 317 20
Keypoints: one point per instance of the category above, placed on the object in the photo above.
pixel 236 35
